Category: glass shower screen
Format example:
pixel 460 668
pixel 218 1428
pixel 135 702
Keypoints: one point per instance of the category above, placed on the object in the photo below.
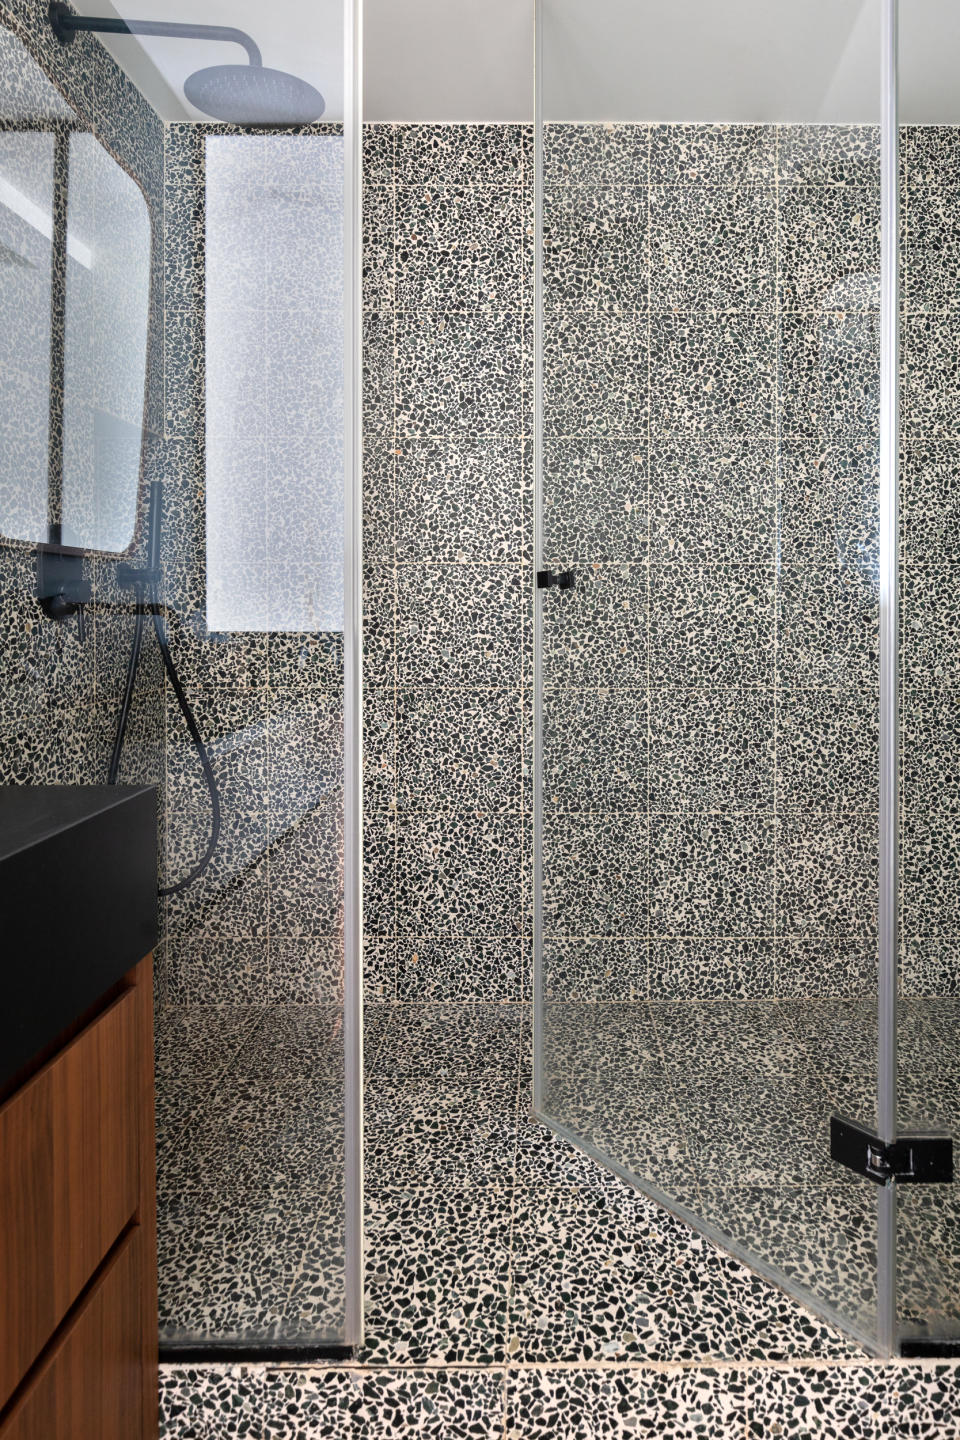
pixel 710 421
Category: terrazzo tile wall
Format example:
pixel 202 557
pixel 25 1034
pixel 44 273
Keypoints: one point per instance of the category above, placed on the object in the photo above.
pixel 712 343
pixel 448 553
pixel 61 696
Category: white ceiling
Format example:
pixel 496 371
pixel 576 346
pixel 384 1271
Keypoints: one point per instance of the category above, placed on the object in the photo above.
pixel 656 60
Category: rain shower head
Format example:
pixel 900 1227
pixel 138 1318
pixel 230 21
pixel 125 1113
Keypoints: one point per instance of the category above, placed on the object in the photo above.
pixel 248 94
pixel 253 95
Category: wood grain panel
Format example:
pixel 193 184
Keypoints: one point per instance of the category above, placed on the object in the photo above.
pixel 89 1387
pixel 69 1179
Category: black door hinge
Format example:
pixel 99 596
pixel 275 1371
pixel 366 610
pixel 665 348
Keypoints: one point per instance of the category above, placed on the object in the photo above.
pixel 563 581
pixel 910 1159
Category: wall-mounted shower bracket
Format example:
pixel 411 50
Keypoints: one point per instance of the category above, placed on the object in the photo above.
pixel 910 1159
pixel 62 588
pixel 564 581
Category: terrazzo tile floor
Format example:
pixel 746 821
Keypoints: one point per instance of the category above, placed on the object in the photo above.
pixel 514 1287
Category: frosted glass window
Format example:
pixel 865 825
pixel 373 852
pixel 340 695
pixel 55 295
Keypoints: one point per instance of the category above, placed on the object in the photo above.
pixel 274 382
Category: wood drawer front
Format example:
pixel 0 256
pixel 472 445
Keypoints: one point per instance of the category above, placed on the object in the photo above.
pixel 69 1179
pixel 89 1386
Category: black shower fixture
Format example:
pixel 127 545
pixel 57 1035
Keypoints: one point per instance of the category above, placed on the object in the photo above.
pixel 250 94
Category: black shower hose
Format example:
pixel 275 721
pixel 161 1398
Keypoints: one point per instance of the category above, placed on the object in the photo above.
pixel 153 606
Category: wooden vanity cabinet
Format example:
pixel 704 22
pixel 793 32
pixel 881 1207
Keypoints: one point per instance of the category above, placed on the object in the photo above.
pixel 78 1290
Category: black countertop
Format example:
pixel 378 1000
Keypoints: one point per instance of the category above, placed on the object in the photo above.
pixel 78 905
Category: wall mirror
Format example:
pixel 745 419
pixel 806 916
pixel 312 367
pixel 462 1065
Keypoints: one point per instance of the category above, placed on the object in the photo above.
pixel 74 318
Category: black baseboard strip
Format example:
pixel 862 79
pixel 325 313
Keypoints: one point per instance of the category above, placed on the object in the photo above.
pixel 211 1353
pixel 930 1349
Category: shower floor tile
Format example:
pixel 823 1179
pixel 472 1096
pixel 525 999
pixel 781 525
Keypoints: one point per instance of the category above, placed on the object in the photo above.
pixel 490 1240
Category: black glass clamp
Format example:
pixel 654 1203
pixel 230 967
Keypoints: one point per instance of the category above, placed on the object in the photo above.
pixel 563 581
pixel 910 1159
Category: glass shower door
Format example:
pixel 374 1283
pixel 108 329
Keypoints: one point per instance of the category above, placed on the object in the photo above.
pixel 707 653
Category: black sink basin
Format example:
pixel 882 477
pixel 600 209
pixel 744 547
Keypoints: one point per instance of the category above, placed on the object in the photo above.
pixel 78 904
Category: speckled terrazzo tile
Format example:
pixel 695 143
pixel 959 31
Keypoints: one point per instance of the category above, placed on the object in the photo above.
pixel 437 1277
pixel 929 628
pixel 929 966
pixel 230 1271
pixel 846 966
pixel 293 1041
pixel 431 1137
pixel 711 750
pixel 842 1032
pixel 201 971
pixel 700 1404
pixel 595 870
pixel 829 373
pixel 827 627
pixel 775 1327
pixel 930 504
pixel 305 753
pixel 214 1402
pixel 752 1131
pixel 379 370
pixel 458 371
pixel 461 500
pixel 196 1042
pixel 596 633
pixel 826 874
pixel 828 500
pixel 379 213
pixel 712 375
pixel 828 247
pixel 312 845
pixel 595 155
pixel 711 625
pixel 458 748
pixel 459 626
pixel 725 1036
pixel 457 247
pixel 711 154
pixel 928 1263
pixel 458 873
pixel 584 1039
pixel 458 154
pixel 594 500
pixel 604 1276
pixel 823 1238
pixel 466 1040
pixel 379 981
pixel 461 969
pixel 713 500
pixel 925 1400
pixel 446 1404
pixel 715 969
pixel 308 970
pixel 849 1401
pixel 827 750
pixel 595 373
pixel 595 247
pixel 828 154
pixel 595 750
pixel 929 397
pixel 630 1117
pixel 931 253
pixel 588 967
pixel 930 722
pixel 711 875
pixel 712 248
pixel 379 748
pixel 270 1139
pixel 379 872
